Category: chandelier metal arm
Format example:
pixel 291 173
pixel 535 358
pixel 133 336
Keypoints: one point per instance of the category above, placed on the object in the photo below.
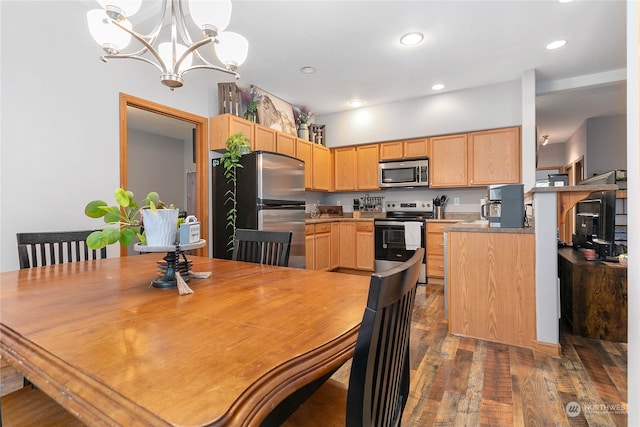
pixel 209 66
pixel 147 47
pixel 131 56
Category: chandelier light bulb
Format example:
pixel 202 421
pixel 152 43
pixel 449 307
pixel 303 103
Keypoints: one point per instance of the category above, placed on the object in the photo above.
pixel 232 49
pixel 166 53
pixel 111 38
pixel 211 16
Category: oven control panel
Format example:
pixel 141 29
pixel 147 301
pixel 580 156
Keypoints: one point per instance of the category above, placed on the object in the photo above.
pixel 415 206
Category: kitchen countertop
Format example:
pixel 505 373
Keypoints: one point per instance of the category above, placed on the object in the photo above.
pixel 337 219
pixel 482 226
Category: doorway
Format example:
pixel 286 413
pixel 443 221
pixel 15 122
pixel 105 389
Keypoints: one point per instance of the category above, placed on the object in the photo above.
pixel 201 154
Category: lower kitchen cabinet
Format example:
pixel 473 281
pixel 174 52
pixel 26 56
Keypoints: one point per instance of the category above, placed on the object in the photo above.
pixel 309 247
pixel 491 286
pixel 335 245
pixel 435 248
pixel 365 246
pixel 348 245
pixel 323 246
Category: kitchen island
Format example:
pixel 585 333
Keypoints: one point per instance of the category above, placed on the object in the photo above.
pixel 490 283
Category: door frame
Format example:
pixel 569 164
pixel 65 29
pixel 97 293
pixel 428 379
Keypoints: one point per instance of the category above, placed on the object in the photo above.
pixel 202 155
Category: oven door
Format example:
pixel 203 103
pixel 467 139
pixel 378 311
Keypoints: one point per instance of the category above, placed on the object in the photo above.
pixel 390 244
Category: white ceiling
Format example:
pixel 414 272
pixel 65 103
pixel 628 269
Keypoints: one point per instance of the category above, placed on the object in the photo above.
pixel 354 46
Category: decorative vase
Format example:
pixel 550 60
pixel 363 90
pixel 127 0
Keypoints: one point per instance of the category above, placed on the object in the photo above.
pixel 303 131
pixel 160 227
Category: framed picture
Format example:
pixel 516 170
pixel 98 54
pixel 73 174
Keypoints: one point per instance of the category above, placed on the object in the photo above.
pixel 274 113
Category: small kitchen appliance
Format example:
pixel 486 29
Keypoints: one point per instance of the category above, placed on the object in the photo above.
pixel 400 233
pixel 505 207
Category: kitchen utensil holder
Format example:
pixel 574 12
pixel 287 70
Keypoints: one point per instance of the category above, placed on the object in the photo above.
pixel 438 212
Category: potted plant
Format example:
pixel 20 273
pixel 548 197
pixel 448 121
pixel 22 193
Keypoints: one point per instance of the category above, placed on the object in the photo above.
pixel 237 145
pixel 160 221
pixel 249 98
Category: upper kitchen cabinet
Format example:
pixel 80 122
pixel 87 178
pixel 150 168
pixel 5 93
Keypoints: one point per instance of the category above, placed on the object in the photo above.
pixel 448 161
pixel 344 162
pixel 405 149
pixel 265 139
pixel 304 152
pixel 475 159
pixel 285 144
pixel 321 170
pixel 367 167
pixel 494 157
pixel 355 168
pixel 225 125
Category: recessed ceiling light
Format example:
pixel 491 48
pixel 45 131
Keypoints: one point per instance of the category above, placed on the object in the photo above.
pixel 565 1
pixel 438 86
pixel 556 44
pixel 411 39
pixel 308 69
pixel 355 103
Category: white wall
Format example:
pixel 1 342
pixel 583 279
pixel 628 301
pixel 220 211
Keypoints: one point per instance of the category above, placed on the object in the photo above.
pixel 479 108
pixel 59 117
pixel 159 166
pixel 577 145
pixel 606 144
pixel 552 155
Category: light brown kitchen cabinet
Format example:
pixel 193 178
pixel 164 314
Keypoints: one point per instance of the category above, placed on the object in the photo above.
pixel 335 245
pixel 265 139
pixel 391 150
pixel 321 170
pixel 448 161
pixel 491 285
pixel 348 245
pixel 225 125
pixel 495 157
pixel 405 149
pixel 366 167
pixel 475 159
pixel 309 247
pixel 322 246
pixel 344 166
pixel 304 152
pixel 435 248
pixel 286 144
pixel 365 246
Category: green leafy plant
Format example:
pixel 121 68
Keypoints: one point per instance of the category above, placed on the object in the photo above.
pixel 237 145
pixel 126 217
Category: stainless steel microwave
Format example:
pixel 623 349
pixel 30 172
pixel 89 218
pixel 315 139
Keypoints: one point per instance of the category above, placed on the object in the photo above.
pixel 409 173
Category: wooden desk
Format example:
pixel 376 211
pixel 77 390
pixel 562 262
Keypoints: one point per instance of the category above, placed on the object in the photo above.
pixel 593 296
pixel 112 350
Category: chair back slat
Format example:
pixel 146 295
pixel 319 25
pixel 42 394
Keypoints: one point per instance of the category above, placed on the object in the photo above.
pixel 379 380
pixel 262 247
pixel 57 247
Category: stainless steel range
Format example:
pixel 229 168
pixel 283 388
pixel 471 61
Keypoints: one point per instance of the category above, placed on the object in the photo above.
pixel 399 234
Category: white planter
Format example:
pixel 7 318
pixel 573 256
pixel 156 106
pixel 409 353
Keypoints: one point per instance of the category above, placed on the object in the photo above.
pixel 160 227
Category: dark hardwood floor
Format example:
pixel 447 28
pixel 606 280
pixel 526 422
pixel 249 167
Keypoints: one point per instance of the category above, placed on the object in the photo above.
pixel 459 381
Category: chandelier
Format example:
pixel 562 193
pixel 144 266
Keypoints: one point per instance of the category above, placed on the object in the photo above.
pixel 175 53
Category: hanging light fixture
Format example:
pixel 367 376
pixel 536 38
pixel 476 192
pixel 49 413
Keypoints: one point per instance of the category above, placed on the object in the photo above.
pixel 178 54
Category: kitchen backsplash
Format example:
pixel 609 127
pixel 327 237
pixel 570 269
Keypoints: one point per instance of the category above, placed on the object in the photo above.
pixel 468 198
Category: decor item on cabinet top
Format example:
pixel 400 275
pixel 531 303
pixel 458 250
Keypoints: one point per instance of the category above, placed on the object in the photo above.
pixel 249 98
pixel 129 217
pixel 317 134
pixel 303 116
pixel 112 29
pixel 274 113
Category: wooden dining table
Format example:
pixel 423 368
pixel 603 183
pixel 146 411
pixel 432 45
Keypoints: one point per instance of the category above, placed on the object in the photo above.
pixel 112 350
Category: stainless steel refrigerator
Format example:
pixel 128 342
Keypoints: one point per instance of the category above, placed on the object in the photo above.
pixel 270 195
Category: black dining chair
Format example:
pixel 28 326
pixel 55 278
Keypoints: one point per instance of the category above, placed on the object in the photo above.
pixel 55 247
pixel 262 247
pixel 379 379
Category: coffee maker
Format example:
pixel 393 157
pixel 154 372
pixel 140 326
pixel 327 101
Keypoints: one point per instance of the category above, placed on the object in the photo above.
pixel 505 208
